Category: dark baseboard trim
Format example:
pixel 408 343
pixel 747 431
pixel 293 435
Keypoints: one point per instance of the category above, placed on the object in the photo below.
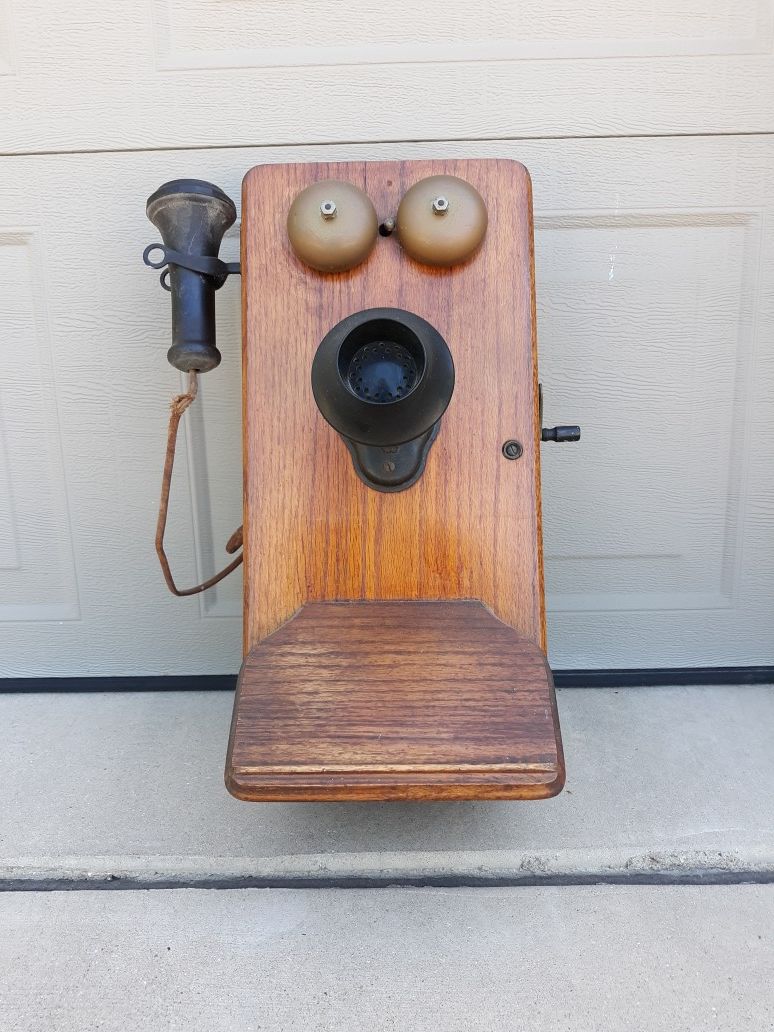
pixel 646 677
pixel 653 677
pixel 162 683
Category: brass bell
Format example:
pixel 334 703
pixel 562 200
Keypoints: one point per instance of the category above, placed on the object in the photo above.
pixel 441 220
pixel 332 226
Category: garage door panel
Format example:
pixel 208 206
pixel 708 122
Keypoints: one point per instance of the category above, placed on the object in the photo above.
pixel 655 265
pixel 37 561
pixel 659 304
pixel 286 32
pixel 195 73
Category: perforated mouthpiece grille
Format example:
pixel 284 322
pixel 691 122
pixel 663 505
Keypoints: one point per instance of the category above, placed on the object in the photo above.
pixel 382 371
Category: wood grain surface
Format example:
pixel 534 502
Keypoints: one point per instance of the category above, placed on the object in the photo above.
pixel 395 700
pixel 470 528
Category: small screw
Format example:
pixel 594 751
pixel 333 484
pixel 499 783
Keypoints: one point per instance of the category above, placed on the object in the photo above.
pixel 512 450
pixel 440 205
pixel 328 209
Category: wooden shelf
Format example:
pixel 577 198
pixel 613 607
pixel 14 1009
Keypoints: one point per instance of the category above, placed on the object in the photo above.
pixel 395 700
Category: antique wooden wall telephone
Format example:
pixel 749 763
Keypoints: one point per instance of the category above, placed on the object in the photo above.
pixel 394 608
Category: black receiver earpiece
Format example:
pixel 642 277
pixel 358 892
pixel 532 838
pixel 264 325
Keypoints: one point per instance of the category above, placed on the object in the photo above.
pixel 192 217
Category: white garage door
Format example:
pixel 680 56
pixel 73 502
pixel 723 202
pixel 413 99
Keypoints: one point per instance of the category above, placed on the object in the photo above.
pixel 654 191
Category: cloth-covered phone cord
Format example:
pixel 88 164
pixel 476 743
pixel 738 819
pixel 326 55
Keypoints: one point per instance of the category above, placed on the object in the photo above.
pixel 178 406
